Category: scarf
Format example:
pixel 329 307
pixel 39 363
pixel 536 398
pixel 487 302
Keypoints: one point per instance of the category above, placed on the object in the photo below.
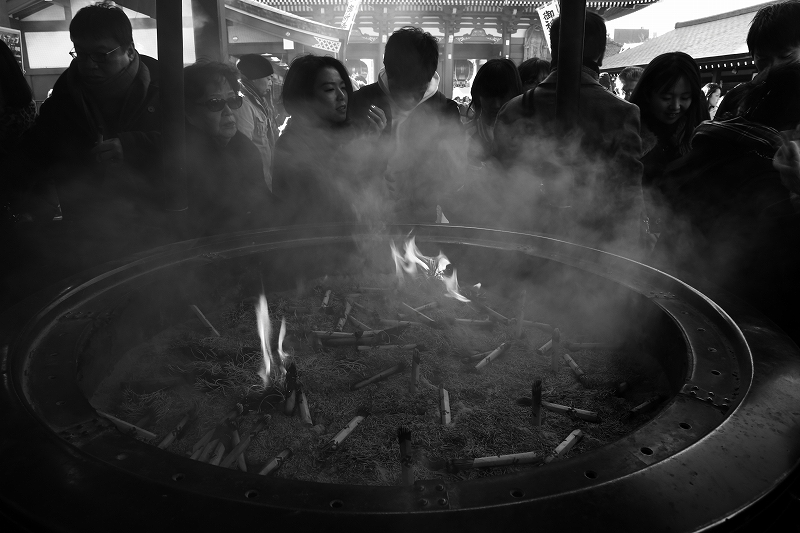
pixel 743 133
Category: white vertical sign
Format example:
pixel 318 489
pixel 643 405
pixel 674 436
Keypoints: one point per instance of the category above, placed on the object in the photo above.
pixel 350 12
pixel 547 14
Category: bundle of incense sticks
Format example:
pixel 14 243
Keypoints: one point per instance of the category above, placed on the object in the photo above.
pixel 343 318
pixel 127 427
pixel 231 415
pixel 336 442
pixel 645 406
pixel 236 439
pixel 302 406
pixel 415 362
pixel 204 454
pixel 204 320
pixel 400 323
pixel 444 405
pixel 475 323
pixel 406 459
pixel 589 416
pixel 565 446
pixel 536 402
pixel 383 374
pixel 178 430
pixel 497 352
pixel 476 357
pixel 526 458
pixel 276 462
pixel 245 442
pixel 327 304
pixel 223 444
pixel 576 370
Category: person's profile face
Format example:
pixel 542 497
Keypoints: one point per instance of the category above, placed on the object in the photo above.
pixel 670 104
pixel 625 88
pixel 713 98
pixel 328 103
pixel 407 96
pixel 766 59
pixel 262 85
pixel 95 63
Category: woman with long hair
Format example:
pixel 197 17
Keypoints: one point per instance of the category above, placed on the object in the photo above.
pixel 312 172
pixel 496 82
pixel 672 104
pixel 713 92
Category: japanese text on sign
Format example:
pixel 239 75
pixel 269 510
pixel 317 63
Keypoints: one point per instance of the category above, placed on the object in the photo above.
pixel 547 14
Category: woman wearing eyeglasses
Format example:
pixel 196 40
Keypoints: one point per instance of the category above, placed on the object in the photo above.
pixel 224 173
pixel 317 169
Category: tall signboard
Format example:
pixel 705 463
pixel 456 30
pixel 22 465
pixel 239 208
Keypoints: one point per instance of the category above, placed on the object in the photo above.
pixel 547 14
pixel 13 38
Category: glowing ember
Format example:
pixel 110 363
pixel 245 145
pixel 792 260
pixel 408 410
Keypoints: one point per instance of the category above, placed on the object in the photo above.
pixel 433 266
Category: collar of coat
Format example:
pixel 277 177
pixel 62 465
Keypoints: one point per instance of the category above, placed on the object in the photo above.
pixel 589 76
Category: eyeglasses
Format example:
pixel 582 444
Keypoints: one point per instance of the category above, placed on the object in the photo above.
pixel 100 57
pixel 218 104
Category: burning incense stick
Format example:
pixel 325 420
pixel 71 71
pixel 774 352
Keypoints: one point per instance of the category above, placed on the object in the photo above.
pixel 497 352
pixel 536 402
pixel 127 427
pixel 491 312
pixel 475 323
pixel 526 458
pixel 576 369
pixel 232 414
pixel 403 323
pixel 565 446
pixel 643 407
pixel 345 314
pixel 337 440
pixel 444 405
pixel 204 320
pixel 243 445
pixel 236 439
pixel 302 406
pixel 224 444
pixel 276 462
pixel 383 374
pixel 179 429
pixel 589 416
pixel 477 357
pixel 575 346
pixel 432 305
pixel 425 318
pixel 521 315
pixel 390 347
pixel 406 459
pixel 353 320
pixel 326 306
pixel 415 362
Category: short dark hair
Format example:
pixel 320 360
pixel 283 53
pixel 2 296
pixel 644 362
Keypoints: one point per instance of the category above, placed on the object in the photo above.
pixel 298 86
pixel 495 78
pixel 775 28
pixel 198 75
pixel 711 88
pixel 631 73
pixel 663 72
pixel 411 56
pixel 774 102
pixel 15 90
pixel 99 21
pixel 533 70
pixel 594 39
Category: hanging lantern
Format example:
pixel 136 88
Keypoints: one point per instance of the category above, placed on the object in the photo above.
pixel 463 69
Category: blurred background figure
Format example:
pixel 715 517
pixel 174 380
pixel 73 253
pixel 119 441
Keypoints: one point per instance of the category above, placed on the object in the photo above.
pixel 226 187
pixel 713 92
pixel 316 172
pixel 672 105
pixel 256 118
pixel 627 80
pixel 605 81
pixel 532 71
pixel 497 82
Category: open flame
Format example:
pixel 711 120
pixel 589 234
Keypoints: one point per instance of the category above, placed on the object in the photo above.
pixel 265 335
pixel 436 267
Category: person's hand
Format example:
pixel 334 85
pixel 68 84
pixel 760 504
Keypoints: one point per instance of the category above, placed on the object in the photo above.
pixel 787 162
pixel 377 120
pixel 108 150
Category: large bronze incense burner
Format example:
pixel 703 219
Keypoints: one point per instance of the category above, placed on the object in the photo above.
pixel 723 444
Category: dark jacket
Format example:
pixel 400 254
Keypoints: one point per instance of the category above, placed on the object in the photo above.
pixel 225 185
pixel 600 167
pixel 67 129
pixel 313 174
pixel 431 132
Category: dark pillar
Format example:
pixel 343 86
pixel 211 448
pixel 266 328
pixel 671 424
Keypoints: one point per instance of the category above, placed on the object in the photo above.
pixel 570 61
pixel 210 37
pixel 170 65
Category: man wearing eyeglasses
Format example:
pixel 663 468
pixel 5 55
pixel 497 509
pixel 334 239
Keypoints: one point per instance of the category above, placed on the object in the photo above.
pixel 97 135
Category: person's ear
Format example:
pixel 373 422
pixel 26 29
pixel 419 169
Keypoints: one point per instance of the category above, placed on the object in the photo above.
pixel 131 51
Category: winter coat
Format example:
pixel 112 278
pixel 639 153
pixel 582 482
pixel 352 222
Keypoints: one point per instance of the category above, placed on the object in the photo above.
pixel 225 185
pixel 592 180
pixel 257 122
pixel 67 128
pixel 430 134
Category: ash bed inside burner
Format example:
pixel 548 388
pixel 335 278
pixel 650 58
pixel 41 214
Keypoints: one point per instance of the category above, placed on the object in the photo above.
pixel 181 368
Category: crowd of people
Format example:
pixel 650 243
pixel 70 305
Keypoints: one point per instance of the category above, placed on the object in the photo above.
pixel 664 171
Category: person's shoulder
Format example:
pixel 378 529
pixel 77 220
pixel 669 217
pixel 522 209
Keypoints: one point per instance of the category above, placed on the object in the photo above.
pixel 152 66
pixel 369 92
pixel 513 109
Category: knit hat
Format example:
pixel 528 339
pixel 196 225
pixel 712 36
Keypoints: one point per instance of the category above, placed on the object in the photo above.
pixel 254 66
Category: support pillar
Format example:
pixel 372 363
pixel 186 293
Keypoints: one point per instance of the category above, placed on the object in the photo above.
pixel 506 36
pixel 570 62
pixel 447 75
pixel 211 37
